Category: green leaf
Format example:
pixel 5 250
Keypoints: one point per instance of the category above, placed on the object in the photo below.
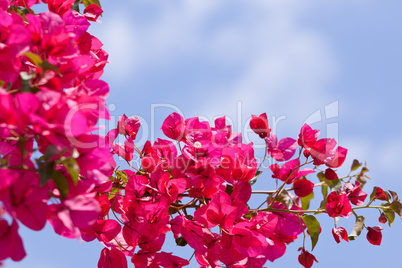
pixel 394 195
pixel 45 170
pixel 313 227
pixel 254 180
pixel 359 225
pixel 76 6
pixel 285 199
pixel 51 151
pixel 396 206
pixel 122 176
pixel 324 187
pixel 334 184
pixel 306 201
pixel 390 216
pixel 72 168
pixel 46 66
pixel 180 241
pixel 88 2
pixel 34 58
pixel 355 165
pixel 61 183
pixel 229 189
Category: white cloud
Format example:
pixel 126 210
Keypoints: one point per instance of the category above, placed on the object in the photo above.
pixel 282 66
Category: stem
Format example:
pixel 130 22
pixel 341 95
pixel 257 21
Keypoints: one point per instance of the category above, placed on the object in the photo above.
pixel 304 233
pixel 191 256
pixel 287 189
pixel 265 155
pixel 134 167
pixel 138 150
pixel 367 206
pixel 288 211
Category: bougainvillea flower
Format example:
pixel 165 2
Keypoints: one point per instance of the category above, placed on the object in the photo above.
pixel 338 205
pixel 24 199
pixel 10 242
pixel 111 136
pixel 380 194
pixel 289 171
pixel 307 136
pixel 128 126
pixel 218 211
pixel 126 151
pixel 104 230
pixel 355 193
pixel 73 214
pixel 340 233
pixel 173 126
pixel 374 235
pixel 248 242
pixel 330 174
pixel 303 187
pixel 321 150
pixel 60 6
pixel 92 12
pixel 4 4
pixel 282 151
pixel 306 258
pixel 144 259
pixel 383 218
pixel 288 226
pixel 338 158
pixel 112 258
pixel 259 124
pixel 196 130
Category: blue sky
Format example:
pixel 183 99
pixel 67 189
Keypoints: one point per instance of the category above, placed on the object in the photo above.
pixel 335 64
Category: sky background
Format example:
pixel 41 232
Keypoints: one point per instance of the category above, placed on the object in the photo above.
pixel 335 65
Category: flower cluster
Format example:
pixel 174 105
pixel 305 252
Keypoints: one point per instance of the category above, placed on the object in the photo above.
pixel 200 191
pixel 51 100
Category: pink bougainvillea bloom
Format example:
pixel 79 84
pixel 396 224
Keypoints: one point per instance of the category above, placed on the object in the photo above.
pixel 250 243
pixel 10 242
pixel 128 126
pixel 111 136
pixel 383 218
pixel 126 151
pixel 338 158
pixel 355 193
pixel 321 150
pixel 303 187
pixel 112 258
pixel 289 171
pixel 306 258
pixel 259 124
pixel 92 12
pixel 144 259
pixel 4 4
pixel 330 174
pixel 380 195
pixel 307 136
pixel 104 230
pixel 173 126
pixel 73 214
pixel 282 151
pixel 340 233
pixel 60 6
pixel 338 205
pixel 374 235
pixel 218 211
